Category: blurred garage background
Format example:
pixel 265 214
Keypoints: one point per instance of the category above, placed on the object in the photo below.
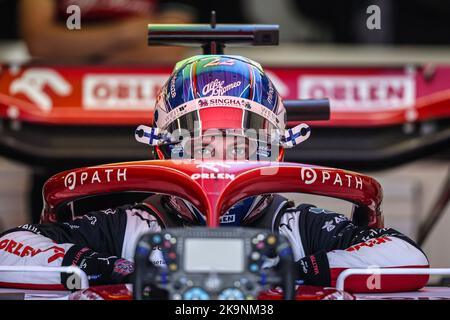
pixel 313 33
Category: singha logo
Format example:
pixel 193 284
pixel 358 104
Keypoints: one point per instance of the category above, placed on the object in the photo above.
pixel 33 82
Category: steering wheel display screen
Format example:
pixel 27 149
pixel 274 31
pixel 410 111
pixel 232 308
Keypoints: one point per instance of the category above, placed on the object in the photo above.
pixel 214 255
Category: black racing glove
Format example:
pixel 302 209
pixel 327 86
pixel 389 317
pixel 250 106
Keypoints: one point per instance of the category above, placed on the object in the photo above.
pixel 100 269
pixel 314 270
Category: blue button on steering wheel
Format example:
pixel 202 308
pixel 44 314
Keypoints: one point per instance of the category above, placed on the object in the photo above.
pixel 196 294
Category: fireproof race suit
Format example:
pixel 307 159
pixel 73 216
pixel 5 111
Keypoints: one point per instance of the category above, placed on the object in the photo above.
pixel 102 244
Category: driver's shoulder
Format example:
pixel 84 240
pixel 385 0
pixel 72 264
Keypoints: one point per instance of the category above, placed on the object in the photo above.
pixel 282 209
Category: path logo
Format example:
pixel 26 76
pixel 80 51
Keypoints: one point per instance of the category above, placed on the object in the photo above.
pixel 311 176
pixel 34 82
pixel 75 179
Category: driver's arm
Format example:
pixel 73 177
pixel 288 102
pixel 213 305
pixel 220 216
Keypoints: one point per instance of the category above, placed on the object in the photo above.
pixel 326 243
pixel 49 39
pixel 119 41
pixel 100 243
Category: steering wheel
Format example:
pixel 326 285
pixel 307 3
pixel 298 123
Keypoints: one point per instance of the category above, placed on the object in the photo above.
pixel 212 264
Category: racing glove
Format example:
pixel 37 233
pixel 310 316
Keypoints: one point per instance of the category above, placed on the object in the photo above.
pixel 100 269
pixel 314 270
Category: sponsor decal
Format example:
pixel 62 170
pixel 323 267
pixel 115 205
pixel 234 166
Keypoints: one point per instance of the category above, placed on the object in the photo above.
pixel 71 226
pixel 268 114
pixel 360 93
pixel 123 267
pixel 270 94
pixel 304 265
pixel 224 101
pixel 340 218
pixel 78 256
pixel 217 88
pixel 228 218
pixel 83 265
pixel 166 118
pixel 109 211
pixel 21 250
pixel 35 83
pixel 289 223
pixel 31 228
pixel 279 84
pixel 219 62
pixel 173 91
pixel 156 257
pixel 374 233
pixel 92 219
pixel 328 225
pixel 203 103
pixel 311 176
pixel 218 176
pixel 215 174
pixel 369 244
pixel 121 92
pixel 107 259
pixel 331 224
pixel 314 265
pixel 144 216
pixel 74 179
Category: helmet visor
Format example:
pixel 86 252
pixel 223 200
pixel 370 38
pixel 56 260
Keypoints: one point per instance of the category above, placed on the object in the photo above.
pixel 230 134
pixel 222 145
pixel 229 120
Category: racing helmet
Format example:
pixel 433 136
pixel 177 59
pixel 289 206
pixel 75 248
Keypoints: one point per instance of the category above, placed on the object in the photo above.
pixel 220 96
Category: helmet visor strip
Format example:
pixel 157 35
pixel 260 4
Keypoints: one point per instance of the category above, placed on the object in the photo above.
pixel 212 111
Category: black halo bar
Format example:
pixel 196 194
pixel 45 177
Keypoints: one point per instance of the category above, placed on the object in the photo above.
pixel 213 38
